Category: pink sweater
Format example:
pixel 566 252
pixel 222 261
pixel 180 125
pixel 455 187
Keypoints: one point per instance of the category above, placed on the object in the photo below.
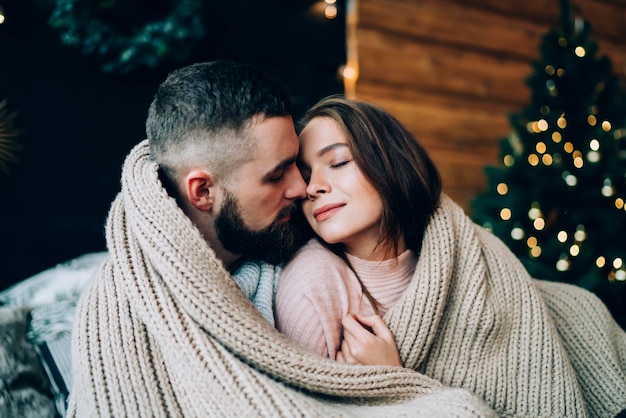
pixel 317 289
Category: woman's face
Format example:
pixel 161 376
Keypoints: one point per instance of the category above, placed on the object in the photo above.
pixel 341 205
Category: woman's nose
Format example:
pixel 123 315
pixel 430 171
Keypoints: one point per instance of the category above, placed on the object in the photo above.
pixel 318 184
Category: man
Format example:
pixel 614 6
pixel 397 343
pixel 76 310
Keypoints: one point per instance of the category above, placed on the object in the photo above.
pixel 229 159
pixel 163 330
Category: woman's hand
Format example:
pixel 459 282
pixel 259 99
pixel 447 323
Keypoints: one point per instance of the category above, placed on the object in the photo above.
pixel 367 340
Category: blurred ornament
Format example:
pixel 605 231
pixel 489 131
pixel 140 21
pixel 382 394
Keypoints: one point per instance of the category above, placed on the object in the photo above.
pixel 9 147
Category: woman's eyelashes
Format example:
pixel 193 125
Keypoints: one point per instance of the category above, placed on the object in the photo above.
pixel 340 164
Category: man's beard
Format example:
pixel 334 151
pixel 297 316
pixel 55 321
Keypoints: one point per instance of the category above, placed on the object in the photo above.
pixel 274 244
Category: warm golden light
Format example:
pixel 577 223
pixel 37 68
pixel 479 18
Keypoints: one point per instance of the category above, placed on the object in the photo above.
pixel 533 159
pixel 617 263
pixel 531 242
pixel 540 147
pixel 542 125
pixel 505 214
pixel 619 203
pixel 580 51
pixel 578 162
pixel 561 122
pixel 546 159
pixel 591 119
pixel 562 236
pixel 568 147
pixel 539 224
pixel 600 262
pixel 509 160
pixel 535 251
pixel 550 70
pixel 606 126
pixel 330 12
pixel 556 137
pixel 502 189
pixel 348 72
pixel 574 250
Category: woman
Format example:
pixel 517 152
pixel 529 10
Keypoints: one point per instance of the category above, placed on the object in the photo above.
pixel 461 308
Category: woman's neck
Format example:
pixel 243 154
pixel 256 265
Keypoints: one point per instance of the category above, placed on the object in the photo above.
pixel 371 251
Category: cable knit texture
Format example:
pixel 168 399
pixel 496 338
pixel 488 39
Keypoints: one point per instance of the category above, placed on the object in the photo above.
pixel 164 331
pixel 472 317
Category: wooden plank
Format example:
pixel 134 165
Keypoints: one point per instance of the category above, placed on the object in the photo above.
pixel 453 24
pixel 607 18
pixel 479 26
pixel 462 123
pixel 387 59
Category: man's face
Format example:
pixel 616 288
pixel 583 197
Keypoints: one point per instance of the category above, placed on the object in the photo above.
pixel 257 209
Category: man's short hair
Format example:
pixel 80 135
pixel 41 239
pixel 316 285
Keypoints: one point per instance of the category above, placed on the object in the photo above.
pixel 201 112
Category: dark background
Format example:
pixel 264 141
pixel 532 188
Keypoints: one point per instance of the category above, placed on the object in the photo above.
pixel 79 123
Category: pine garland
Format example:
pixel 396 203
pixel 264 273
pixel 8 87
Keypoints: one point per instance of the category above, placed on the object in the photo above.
pixel 82 24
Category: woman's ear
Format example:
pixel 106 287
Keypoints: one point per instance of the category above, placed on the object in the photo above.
pixel 200 189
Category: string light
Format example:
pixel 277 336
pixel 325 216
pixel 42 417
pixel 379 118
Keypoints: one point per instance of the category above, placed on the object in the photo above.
pixel 502 189
pixel 556 137
pixel 505 214
pixel 563 264
pixel 561 122
pixel 533 159
pixel 535 251
pixel 517 233
pixel 607 188
pixel 540 147
pixel 594 145
pixel 593 156
pixel 619 203
pixel 562 236
pixel 546 159
pixel 606 126
pixel 2 18
pixel 579 51
pixel 570 179
pixel 580 233
pixel 591 120
pixel 508 160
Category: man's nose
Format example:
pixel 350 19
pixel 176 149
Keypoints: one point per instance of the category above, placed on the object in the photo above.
pixel 297 186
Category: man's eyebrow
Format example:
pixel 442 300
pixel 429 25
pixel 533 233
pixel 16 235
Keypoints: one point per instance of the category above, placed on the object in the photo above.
pixel 280 166
pixel 331 147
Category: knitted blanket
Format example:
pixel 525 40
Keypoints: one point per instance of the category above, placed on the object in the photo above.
pixel 164 331
pixel 473 318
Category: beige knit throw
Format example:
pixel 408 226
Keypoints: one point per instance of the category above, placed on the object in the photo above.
pixel 473 318
pixel 164 331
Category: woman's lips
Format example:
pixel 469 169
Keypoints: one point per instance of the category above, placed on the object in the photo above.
pixel 326 211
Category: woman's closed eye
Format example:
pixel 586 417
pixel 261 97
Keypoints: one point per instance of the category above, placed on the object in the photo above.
pixel 340 164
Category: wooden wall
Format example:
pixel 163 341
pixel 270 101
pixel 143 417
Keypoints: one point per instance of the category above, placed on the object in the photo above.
pixel 452 70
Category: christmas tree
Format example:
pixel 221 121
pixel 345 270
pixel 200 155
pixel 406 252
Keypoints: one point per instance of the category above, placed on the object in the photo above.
pixel 558 199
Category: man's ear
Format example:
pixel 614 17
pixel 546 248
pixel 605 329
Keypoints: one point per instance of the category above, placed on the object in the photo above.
pixel 200 187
